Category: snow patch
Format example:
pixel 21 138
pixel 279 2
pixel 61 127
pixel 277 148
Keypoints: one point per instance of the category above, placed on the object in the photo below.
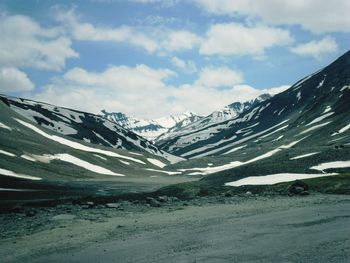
pixel 331 165
pixel 235 149
pixel 234 164
pixel 65 157
pixel 27 157
pixel 315 127
pixel 321 83
pixel 344 88
pixel 101 157
pixel 124 162
pixel 321 118
pixel 328 109
pixel 342 130
pixel 274 179
pixel 7 153
pixel 279 129
pixel 16 175
pixel 236 142
pixel 156 162
pixel 76 145
pixel 281 111
pixel 299 96
pixel 162 171
pixel 279 138
pixel 3 126
pixel 303 156
pixel 17 190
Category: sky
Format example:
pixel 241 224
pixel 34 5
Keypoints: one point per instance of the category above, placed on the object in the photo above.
pixel 154 58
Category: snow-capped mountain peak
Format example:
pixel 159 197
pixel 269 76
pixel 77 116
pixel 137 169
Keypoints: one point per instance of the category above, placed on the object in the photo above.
pixel 150 128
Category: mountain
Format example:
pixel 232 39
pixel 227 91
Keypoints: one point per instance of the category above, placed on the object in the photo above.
pixel 150 128
pixel 303 132
pixel 176 138
pixel 315 105
pixel 82 126
pixel 50 154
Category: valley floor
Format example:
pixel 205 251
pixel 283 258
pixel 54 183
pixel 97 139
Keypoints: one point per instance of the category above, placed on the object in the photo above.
pixel 244 228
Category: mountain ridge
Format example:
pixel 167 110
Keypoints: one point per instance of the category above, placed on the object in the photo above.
pixel 160 128
pixel 150 128
pixel 82 126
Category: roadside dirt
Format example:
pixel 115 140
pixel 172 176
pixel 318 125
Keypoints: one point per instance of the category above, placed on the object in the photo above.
pixel 314 228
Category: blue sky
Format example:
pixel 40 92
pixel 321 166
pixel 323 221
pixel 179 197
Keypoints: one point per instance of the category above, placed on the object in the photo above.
pixel 152 58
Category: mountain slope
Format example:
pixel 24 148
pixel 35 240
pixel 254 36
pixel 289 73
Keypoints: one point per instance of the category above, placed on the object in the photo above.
pixel 38 164
pixel 148 128
pixel 83 126
pixel 179 137
pixel 301 133
pixel 315 105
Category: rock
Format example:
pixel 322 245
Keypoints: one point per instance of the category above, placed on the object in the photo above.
pixel 63 217
pixel 153 202
pixel 298 188
pixel 30 213
pixel 86 205
pixel 228 194
pixel 112 205
pixel 249 193
pixel 148 199
pixel 173 199
pixel 162 199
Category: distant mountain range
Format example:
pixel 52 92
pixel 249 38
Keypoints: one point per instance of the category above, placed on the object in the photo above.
pixel 167 127
pixel 150 128
pixel 227 113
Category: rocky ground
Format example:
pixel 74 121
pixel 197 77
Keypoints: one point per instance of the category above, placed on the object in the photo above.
pixel 241 228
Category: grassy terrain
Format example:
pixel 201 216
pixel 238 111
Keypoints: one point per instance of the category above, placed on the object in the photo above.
pixel 338 184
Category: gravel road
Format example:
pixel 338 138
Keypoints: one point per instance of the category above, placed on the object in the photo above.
pixel 315 228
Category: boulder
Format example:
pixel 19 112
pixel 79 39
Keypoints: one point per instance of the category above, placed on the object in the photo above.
pixel 112 205
pixel 162 199
pixel 153 202
pixel 298 188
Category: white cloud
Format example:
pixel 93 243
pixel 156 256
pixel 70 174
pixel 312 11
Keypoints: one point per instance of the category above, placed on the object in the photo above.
pixel 318 16
pixel 138 89
pixel 143 91
pixel 152 39
pixel 317 49
pixel 14 80
pixel 204 100
pixel 89 32
pixel 181 40
pixel 276 90
pixel 185 66
pixel 236 39
pixel 219 77
pixel 161 3
pixel 24 43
